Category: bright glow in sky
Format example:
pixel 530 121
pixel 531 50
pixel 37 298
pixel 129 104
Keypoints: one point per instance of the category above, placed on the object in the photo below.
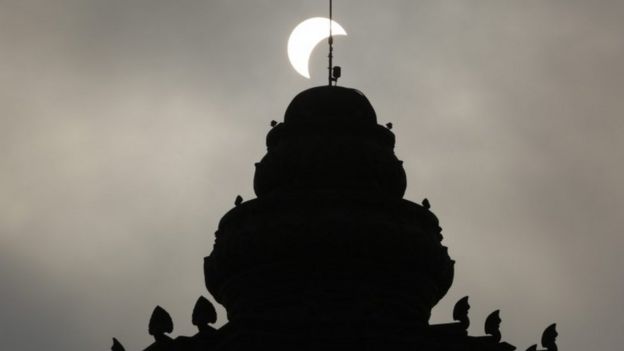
pixel 127 128
pixel 305 37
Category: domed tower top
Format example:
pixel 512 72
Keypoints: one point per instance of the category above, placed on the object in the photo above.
pixel 330 141
pixel 331 104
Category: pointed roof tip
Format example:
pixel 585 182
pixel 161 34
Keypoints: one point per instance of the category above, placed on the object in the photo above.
pixel 160 322
pixel 117 346
pixel 426 204
pixel 460 311
pixel 238 200
pixel 203 312
pixel 492 323
pixel 551 328
pixel 463 302
pixel 549 336
pixel 495 314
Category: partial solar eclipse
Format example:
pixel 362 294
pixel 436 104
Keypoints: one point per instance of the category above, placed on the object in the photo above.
pixel 304 39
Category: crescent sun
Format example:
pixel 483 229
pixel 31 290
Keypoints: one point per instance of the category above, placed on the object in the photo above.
pixel 304 39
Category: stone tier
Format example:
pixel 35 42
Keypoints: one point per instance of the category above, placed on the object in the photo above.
pixel 334 257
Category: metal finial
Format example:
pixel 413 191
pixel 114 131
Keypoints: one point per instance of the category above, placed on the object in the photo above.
pixel 333 73
pixel 330 40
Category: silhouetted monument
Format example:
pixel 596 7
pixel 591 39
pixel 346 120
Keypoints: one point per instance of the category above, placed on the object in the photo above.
pixel 329 256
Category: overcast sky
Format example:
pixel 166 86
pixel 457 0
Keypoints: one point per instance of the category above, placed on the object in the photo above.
pixel 127 128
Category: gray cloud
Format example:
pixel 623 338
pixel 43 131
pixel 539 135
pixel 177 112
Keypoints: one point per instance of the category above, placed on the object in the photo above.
pixel 127 129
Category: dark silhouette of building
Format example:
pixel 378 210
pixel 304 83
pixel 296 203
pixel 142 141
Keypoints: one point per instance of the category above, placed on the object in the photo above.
pixel 329 256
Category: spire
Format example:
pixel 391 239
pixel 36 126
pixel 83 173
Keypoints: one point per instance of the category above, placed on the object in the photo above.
pixel 330 41
pixel 333 73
